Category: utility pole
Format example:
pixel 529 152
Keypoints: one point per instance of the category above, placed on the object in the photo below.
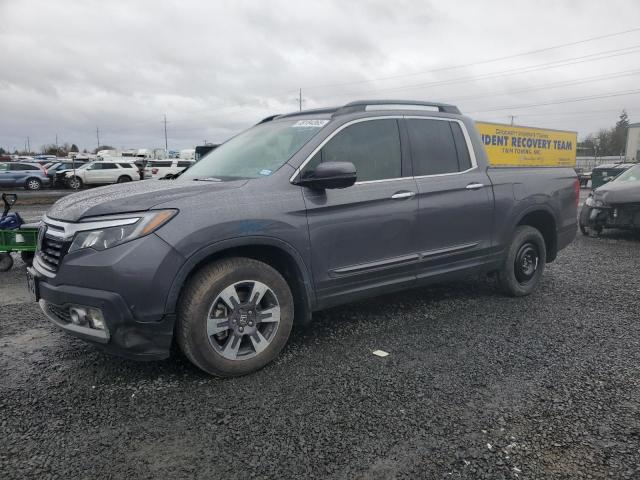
pixel 166 145
pixel 512 118
pixel 28 145
pixel 56 144
pixel 300 99
pixel 98 136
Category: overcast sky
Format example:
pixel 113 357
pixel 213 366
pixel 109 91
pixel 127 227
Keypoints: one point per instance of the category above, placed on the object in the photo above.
pixel 217 67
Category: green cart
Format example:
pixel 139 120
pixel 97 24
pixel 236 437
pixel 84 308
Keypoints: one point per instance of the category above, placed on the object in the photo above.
pixel 23 239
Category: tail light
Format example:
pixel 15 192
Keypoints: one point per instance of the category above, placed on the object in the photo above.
pixel 154 171
pixel 576 187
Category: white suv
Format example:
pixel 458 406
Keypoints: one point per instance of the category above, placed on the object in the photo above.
pixel 161 168
pixel 102 172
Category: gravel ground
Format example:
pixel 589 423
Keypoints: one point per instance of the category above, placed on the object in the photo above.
pixel 477 385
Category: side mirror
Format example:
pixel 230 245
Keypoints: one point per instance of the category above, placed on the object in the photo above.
pixel 330 175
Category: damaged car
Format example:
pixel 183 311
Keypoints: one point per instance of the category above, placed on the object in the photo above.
pixel 613 205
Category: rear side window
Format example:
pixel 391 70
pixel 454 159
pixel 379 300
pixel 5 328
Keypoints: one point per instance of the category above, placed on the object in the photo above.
pixel 22 166
pixel 126 165
pixel 373 146
pixel 437 147
pixel 160 164
pixel 184 164
pixel 109 166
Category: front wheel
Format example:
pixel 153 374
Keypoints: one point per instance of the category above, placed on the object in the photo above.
pixel 75 183
pixel 524 263
pixel 234 316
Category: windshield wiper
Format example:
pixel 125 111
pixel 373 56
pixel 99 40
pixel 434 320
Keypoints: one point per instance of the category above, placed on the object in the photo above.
pixel 207 179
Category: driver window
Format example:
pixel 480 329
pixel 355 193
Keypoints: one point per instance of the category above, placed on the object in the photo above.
pixel 373 146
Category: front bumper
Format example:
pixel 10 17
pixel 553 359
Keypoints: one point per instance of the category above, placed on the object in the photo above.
pixel 122 336
pixel 620 216
pixel 128 284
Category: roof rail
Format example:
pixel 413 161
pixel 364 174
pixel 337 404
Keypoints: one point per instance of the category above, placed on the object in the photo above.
pixel 363 105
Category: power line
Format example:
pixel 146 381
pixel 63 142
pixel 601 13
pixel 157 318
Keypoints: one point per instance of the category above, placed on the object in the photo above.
pixel 595 78
pixel 565 100
pixel 481 62
pixel 607 54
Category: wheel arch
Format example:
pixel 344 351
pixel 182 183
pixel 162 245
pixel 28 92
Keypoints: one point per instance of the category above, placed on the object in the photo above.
pixel 274 252
pixel 543 220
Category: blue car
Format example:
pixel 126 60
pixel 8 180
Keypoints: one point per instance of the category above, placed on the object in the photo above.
pixel 31 176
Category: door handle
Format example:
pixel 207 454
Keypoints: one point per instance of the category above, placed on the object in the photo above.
pixel 402 195
pixel 474 186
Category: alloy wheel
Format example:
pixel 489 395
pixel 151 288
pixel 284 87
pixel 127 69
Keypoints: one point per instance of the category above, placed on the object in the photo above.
pixel 243 320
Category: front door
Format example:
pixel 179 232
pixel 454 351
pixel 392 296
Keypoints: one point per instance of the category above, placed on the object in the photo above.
pixel 363 236
pixel 454 197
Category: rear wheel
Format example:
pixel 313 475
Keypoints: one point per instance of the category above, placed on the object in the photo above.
pixel 74 183
pixel 234 316
pixel 524 263
pixel 33 184
pixel 6 262
pixel 124 179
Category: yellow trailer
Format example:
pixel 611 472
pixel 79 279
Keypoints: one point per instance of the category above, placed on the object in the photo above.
pixel 516 146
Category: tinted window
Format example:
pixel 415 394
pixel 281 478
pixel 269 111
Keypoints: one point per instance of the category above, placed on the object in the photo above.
pixel 464 160
pixel 126 165
pixel 4 167
pixel 184 164
pixel 109 166
pixel 22 166
pixel 372 146
pixel 160 164
pixel 433 149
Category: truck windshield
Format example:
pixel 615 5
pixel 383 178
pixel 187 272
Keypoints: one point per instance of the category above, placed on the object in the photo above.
pixel 631 175
pixel 256 152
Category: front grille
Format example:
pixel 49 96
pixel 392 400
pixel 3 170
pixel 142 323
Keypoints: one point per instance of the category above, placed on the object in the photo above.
pixel 51 252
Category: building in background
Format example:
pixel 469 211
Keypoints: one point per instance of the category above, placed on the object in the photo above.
pixel 633 142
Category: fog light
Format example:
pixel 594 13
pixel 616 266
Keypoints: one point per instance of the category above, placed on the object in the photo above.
pixel 78 315
pixel 95 318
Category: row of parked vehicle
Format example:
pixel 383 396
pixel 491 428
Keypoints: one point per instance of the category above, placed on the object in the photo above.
pixel 75 174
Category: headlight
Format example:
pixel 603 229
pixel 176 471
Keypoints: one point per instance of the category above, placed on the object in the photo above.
pixel 592 202
pixel 107 232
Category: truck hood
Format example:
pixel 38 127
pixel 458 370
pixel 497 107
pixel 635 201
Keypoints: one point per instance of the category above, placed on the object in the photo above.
pixel 615 193
pixel 131 197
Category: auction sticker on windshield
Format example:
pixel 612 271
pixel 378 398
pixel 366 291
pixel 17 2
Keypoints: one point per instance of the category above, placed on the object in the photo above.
pixel 310 123
pixel 515 146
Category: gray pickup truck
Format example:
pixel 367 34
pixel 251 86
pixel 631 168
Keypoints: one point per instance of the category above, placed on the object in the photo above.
pixel 301 212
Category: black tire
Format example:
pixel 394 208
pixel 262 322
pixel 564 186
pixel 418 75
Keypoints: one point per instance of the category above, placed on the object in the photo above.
pixel 524 264
pixel 194 307
pixel 583 230
pixel 27 257
pixel 6 262
pixel 33 184
pixel 74 183
pixel 124 179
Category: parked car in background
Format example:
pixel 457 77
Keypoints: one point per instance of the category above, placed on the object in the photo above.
pixel 102 173
pixel 605 173
pixel 161 168
pixel 301 212
pixel 28 175
pixel 613 205
pixel 55 167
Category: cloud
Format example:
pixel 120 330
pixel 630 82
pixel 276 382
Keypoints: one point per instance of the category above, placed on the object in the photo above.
pixel 215 68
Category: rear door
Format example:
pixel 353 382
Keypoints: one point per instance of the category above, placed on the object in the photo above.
pixel 454 196
pixel 363 236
